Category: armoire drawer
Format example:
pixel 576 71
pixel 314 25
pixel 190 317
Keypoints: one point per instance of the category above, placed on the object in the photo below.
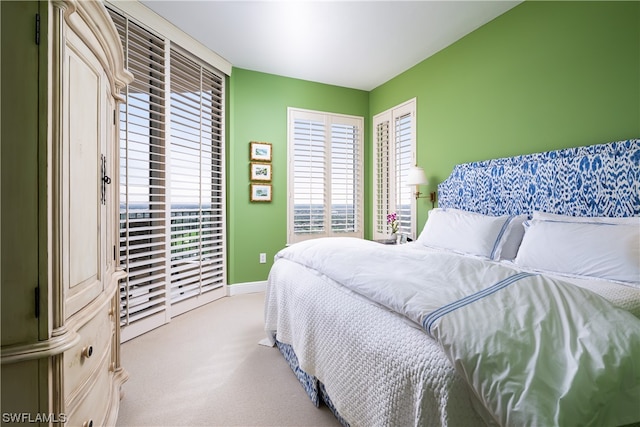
pixel 91 409
pixel 83 359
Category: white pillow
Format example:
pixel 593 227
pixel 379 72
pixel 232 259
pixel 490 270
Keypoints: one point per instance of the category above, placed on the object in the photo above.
pixel 602 250
pixel 464 232
pixel 631 220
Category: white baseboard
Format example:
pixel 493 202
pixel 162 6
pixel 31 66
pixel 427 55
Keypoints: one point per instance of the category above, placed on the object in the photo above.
pixel 246 288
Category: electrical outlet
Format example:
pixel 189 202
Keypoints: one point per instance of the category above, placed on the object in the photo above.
pixel 263 258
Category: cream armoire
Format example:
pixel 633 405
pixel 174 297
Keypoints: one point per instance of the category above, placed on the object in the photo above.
pixel 62 72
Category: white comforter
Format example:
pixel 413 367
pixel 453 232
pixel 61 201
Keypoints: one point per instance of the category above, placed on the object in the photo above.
pixel 536 351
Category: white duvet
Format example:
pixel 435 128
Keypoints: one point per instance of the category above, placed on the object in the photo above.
pixel 536 351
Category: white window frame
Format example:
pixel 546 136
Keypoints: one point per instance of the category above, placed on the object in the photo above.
pixel 328 119
pixel 387 179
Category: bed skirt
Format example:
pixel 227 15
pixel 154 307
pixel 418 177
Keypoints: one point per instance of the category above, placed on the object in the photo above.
pixel 312 386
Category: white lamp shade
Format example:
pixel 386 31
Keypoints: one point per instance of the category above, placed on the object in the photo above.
pixel 416 176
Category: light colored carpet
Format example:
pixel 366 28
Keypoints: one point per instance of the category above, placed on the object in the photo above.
pixel 206 368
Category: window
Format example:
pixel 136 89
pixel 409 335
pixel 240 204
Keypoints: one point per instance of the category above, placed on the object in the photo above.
pixel 394 133
pixel 171 181
pixel 325 175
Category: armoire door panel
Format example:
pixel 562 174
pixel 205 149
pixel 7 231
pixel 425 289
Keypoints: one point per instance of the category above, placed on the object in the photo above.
pixel 83 173
pixel 83 141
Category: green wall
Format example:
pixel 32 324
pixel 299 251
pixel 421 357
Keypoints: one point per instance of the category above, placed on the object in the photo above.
pixel 21 191
pixel 257 111
pixel 544 75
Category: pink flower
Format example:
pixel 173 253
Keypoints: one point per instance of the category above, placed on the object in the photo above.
pixel 392 220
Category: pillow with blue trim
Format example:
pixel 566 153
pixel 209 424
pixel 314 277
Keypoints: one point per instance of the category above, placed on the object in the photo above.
pixel 546 216
pixel 603 250
pixel 511 238
pixel 471 233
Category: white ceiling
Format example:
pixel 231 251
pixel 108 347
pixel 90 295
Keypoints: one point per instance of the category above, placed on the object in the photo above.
pixel 355 44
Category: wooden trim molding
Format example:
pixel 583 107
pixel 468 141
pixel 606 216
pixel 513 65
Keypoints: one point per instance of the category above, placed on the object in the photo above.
pixel 103 39
pixel 246 288
pixel 57 344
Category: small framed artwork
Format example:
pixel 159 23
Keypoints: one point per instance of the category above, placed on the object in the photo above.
pixel 260 151
pixel 260 172
pixel 260 192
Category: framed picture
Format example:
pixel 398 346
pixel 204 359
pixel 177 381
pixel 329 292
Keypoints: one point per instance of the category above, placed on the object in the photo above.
pixel 260 192
pixel 260 172
pixel 260 151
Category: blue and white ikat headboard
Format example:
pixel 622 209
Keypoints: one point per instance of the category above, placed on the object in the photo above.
pixel 597 180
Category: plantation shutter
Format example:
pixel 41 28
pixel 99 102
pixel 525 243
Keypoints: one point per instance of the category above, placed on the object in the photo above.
pixel 325 175
pixel 345 178
pixel 143 204
pixel 197 176
pixel 309 182
pixel 394 142
pixel 384 168
pixel 172 200
pixel 404 154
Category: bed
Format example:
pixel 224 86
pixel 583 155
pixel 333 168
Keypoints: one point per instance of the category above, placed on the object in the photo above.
pixel 518 304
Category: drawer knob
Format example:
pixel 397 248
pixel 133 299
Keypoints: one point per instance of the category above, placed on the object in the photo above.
pixel 87 351
pixel 87 423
